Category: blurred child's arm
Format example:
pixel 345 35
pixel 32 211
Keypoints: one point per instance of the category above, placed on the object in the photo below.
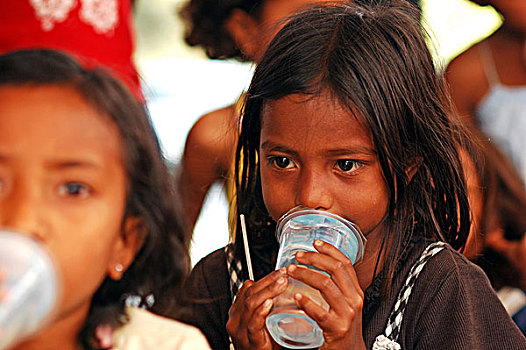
pixel 468 83
pixel 207 158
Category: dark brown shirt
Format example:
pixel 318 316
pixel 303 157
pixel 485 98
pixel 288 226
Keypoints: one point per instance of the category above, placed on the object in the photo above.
pixel 452 305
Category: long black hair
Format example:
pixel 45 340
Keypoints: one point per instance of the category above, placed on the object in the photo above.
pixel 374 61
pixel 162 262
pixel 204 24
pixel 503 196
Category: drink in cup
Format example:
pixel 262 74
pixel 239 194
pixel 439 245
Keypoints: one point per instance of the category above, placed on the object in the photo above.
pixel 28 287
pixel 297 230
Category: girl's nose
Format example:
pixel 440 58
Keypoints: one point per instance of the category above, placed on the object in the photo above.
pixel 313 191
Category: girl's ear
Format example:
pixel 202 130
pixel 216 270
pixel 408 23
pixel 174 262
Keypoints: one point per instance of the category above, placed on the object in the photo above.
pixel 244 30
pixel 127 245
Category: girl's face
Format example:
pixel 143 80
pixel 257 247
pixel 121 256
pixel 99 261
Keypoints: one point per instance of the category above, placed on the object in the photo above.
pixel 315 153
pixel 62 181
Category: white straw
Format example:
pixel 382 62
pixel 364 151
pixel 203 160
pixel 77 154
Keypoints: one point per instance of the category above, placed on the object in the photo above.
pixel 245 243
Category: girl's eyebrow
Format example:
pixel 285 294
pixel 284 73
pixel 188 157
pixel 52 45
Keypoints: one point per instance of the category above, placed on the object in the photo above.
pixel 354 150
pixel 67 164
pixel 63 164
pixel 274 147
pixel 271 146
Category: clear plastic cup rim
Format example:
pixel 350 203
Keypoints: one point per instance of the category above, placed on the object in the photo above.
pixel 300 211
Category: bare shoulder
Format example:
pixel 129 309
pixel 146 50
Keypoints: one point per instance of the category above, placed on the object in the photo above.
pixel 214 131
pixel 467 79
pixel 210 144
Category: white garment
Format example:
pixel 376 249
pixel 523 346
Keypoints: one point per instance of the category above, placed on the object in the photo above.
pixel 147 331
pixel 513 299
pixel 502 114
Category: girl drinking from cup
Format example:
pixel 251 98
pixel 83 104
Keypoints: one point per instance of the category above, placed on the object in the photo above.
pixel 81 172
pixel 346 114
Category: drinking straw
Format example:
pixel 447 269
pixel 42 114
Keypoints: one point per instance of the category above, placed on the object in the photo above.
pixel 245 243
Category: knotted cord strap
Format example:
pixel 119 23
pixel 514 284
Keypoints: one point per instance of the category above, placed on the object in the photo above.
pixel 234 271
pixel 392 330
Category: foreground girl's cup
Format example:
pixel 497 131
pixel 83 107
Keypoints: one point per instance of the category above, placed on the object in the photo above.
pixel 28 287
pixel 297 230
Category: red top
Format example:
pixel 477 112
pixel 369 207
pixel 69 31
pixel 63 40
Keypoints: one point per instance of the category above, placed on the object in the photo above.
pixel 96 32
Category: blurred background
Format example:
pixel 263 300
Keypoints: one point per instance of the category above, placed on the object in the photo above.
pixel 181 84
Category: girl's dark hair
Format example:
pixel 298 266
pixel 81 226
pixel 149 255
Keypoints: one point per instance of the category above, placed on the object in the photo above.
pixel 372 58
pixel 162 262
pixel 503 206
pixel 204 22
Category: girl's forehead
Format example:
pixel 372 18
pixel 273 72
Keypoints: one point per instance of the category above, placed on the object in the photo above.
pixel 317 108
pixel 55 121
pixel 319 119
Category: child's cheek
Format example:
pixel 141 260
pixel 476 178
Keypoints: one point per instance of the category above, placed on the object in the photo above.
pixel 275 197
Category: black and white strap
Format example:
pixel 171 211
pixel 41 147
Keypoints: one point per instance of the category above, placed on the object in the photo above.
pixel 234 271
pixel 389 340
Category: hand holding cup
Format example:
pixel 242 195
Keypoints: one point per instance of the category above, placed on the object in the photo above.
pixel 289 325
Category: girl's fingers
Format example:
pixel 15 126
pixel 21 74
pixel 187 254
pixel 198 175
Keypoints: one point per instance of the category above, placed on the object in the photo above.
pixel 312 309
pixel 328 289
pixel 253 302
pixel 328 249
pixel 266 281
pixel 251 288
pixel 257 332
pixel 341 284
pixel 333 325
pixel 254 296
pixel 338 267
pixel 336 322
pixel 240 296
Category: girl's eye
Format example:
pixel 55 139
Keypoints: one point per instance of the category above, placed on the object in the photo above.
pixel 347 165
pixel 281 162
pixel 74 189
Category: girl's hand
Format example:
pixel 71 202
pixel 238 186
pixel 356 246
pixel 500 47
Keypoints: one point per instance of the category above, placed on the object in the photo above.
pixel 342 323
pixel 246 323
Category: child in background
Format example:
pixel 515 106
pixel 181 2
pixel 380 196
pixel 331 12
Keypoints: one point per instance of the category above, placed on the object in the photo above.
pixel 346 114
pixel 239 29
pixel 497 240
pixel 488 82
pixel 82 172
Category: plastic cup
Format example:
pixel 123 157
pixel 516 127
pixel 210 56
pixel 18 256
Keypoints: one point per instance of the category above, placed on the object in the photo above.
pixel 28 286
pixel 297 230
